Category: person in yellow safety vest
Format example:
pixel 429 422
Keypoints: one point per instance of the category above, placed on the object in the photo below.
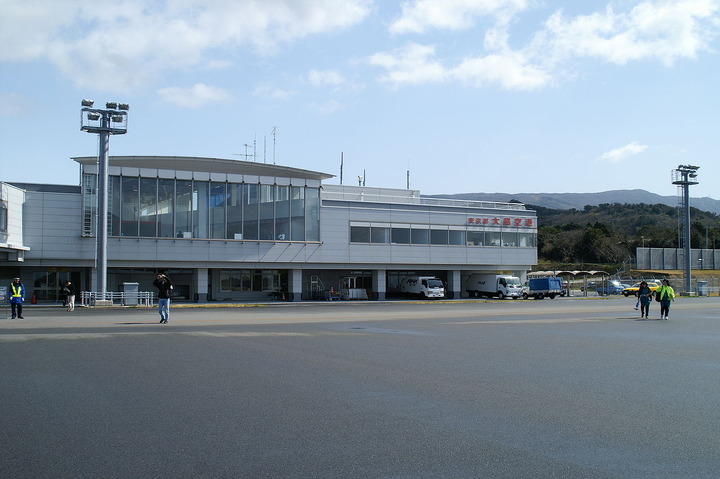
pixel 665 294
pixel 16 295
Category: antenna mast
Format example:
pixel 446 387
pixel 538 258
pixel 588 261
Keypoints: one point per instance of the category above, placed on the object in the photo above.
pixel 274 132
pixel 342 159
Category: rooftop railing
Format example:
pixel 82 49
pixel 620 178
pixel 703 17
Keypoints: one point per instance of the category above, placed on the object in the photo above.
pixel 419 200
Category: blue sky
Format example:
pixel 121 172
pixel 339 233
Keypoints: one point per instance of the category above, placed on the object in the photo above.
pixel 468 95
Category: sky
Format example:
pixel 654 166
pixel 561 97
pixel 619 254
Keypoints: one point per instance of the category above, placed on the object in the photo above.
pixel 452 96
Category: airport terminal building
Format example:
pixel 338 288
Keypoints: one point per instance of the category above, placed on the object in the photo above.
pixel 229 230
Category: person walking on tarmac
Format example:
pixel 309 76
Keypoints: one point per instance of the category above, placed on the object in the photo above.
pixel 164 286
pixel 16 295
pixel 665 294
pixel 645 295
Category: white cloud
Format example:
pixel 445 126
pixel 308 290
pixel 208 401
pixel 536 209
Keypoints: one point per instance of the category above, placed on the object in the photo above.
pixel 662 30
pixel 195 96
pixel 326 77
pixel 419 16
pixel 412 64
pixel 619 154
pixel 119 45
pixel 269 91
pixel 509 71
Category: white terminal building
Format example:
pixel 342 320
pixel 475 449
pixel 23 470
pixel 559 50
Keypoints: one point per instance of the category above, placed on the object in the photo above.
pixel 228 230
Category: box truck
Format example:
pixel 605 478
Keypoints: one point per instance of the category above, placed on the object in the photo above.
pixel 422 286
pixel 538 288
pixel 491 285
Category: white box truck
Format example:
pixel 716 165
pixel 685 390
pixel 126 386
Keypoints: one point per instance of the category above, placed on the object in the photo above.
pixel 422 286
pixel 493 285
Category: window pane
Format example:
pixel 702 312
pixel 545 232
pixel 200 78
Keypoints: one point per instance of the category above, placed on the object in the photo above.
pixel 129 210
pixel 234 211
pixel 526 240
pixel 250 212
pixel 282 213
pixel 509 238
pixel 359 234
pixel 419 236
pixel 266 211
pixel 297 213
pixel 493 238
pixel 200 209
pixel 476 238
pixel 312 214
pixel 183 206
pixel 457 237
pixel 166 197
pixel 379 234
pixel 148 207
pixel 217 210
pixel 438 236
pixel 114 206
pixel 401 235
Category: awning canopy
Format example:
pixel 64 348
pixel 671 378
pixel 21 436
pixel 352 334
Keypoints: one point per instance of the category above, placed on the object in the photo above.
pixel 573 273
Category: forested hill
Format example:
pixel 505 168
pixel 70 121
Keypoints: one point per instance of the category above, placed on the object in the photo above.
pixel 609 233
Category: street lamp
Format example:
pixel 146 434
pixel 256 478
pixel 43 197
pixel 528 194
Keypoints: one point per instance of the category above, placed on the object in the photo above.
pixel 684 176
pixel 105 122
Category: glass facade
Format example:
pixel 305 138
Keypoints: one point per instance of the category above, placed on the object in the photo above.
pixel 167 208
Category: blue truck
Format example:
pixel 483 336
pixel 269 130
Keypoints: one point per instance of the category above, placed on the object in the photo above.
pixel 539 288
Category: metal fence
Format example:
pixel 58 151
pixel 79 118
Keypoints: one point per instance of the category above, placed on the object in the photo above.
pixel 134 298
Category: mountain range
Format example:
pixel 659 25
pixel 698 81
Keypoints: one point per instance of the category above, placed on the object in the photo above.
pixel 566 201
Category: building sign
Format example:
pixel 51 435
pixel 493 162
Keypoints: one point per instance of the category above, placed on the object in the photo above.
pixel 502 221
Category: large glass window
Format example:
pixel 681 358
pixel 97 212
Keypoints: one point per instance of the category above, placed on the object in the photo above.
pixel 129 214
pixel 250 211
pixel 200 209
pixel 282 213
pixel 297 213
pixel 148 207
pixel 266 212
pixel 312 214
pixel 493 238
pixel 526 240
pixel 217 203
pixel 234 211
pixel 509 238
pixel 184 208
pixel 165 210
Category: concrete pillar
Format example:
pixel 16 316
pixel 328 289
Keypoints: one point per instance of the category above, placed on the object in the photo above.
pixel 454 284
pixel 201 285
pixel 295 284
pixel 379 284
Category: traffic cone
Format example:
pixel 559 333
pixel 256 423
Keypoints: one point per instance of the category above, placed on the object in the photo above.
pixel 33 300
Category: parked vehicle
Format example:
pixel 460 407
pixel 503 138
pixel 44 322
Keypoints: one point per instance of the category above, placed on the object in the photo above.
pixel 493 285
pixel 538 288
pixel 611 287
pixel 632 290
pixel 422 286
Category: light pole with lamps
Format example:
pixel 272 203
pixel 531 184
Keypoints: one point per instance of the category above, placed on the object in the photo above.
pixel 112 120
pixel 684 176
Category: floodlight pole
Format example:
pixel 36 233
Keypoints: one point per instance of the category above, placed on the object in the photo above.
pixel 112 121
pixel 684 176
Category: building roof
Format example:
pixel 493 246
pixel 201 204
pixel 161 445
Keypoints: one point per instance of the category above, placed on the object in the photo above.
pixel 211 165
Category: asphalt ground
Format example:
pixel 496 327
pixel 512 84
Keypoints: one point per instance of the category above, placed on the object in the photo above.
pixel 449 389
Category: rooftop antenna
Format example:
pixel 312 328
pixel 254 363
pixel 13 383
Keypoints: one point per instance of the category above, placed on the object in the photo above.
pixel 407 179
pixel 255 147
pixel 360 180
pixel 264 148
pixel 342 159
pixel 274 132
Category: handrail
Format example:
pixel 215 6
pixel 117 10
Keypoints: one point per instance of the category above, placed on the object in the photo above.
pixel 131 298
pixel 419 200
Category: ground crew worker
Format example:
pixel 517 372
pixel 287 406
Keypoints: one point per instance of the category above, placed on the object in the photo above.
pixel 16 295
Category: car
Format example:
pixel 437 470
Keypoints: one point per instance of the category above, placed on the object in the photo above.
pixel 612 287
pixel 632 290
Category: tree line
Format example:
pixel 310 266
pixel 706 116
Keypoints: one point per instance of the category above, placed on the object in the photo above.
pixel 608 234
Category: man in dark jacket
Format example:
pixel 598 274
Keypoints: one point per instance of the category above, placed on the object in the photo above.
pixel 164 286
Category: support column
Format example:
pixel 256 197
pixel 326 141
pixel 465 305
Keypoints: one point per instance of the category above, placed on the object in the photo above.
pixel 295 284
pixel 379 284
pixel 454 284
pixel 201 285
